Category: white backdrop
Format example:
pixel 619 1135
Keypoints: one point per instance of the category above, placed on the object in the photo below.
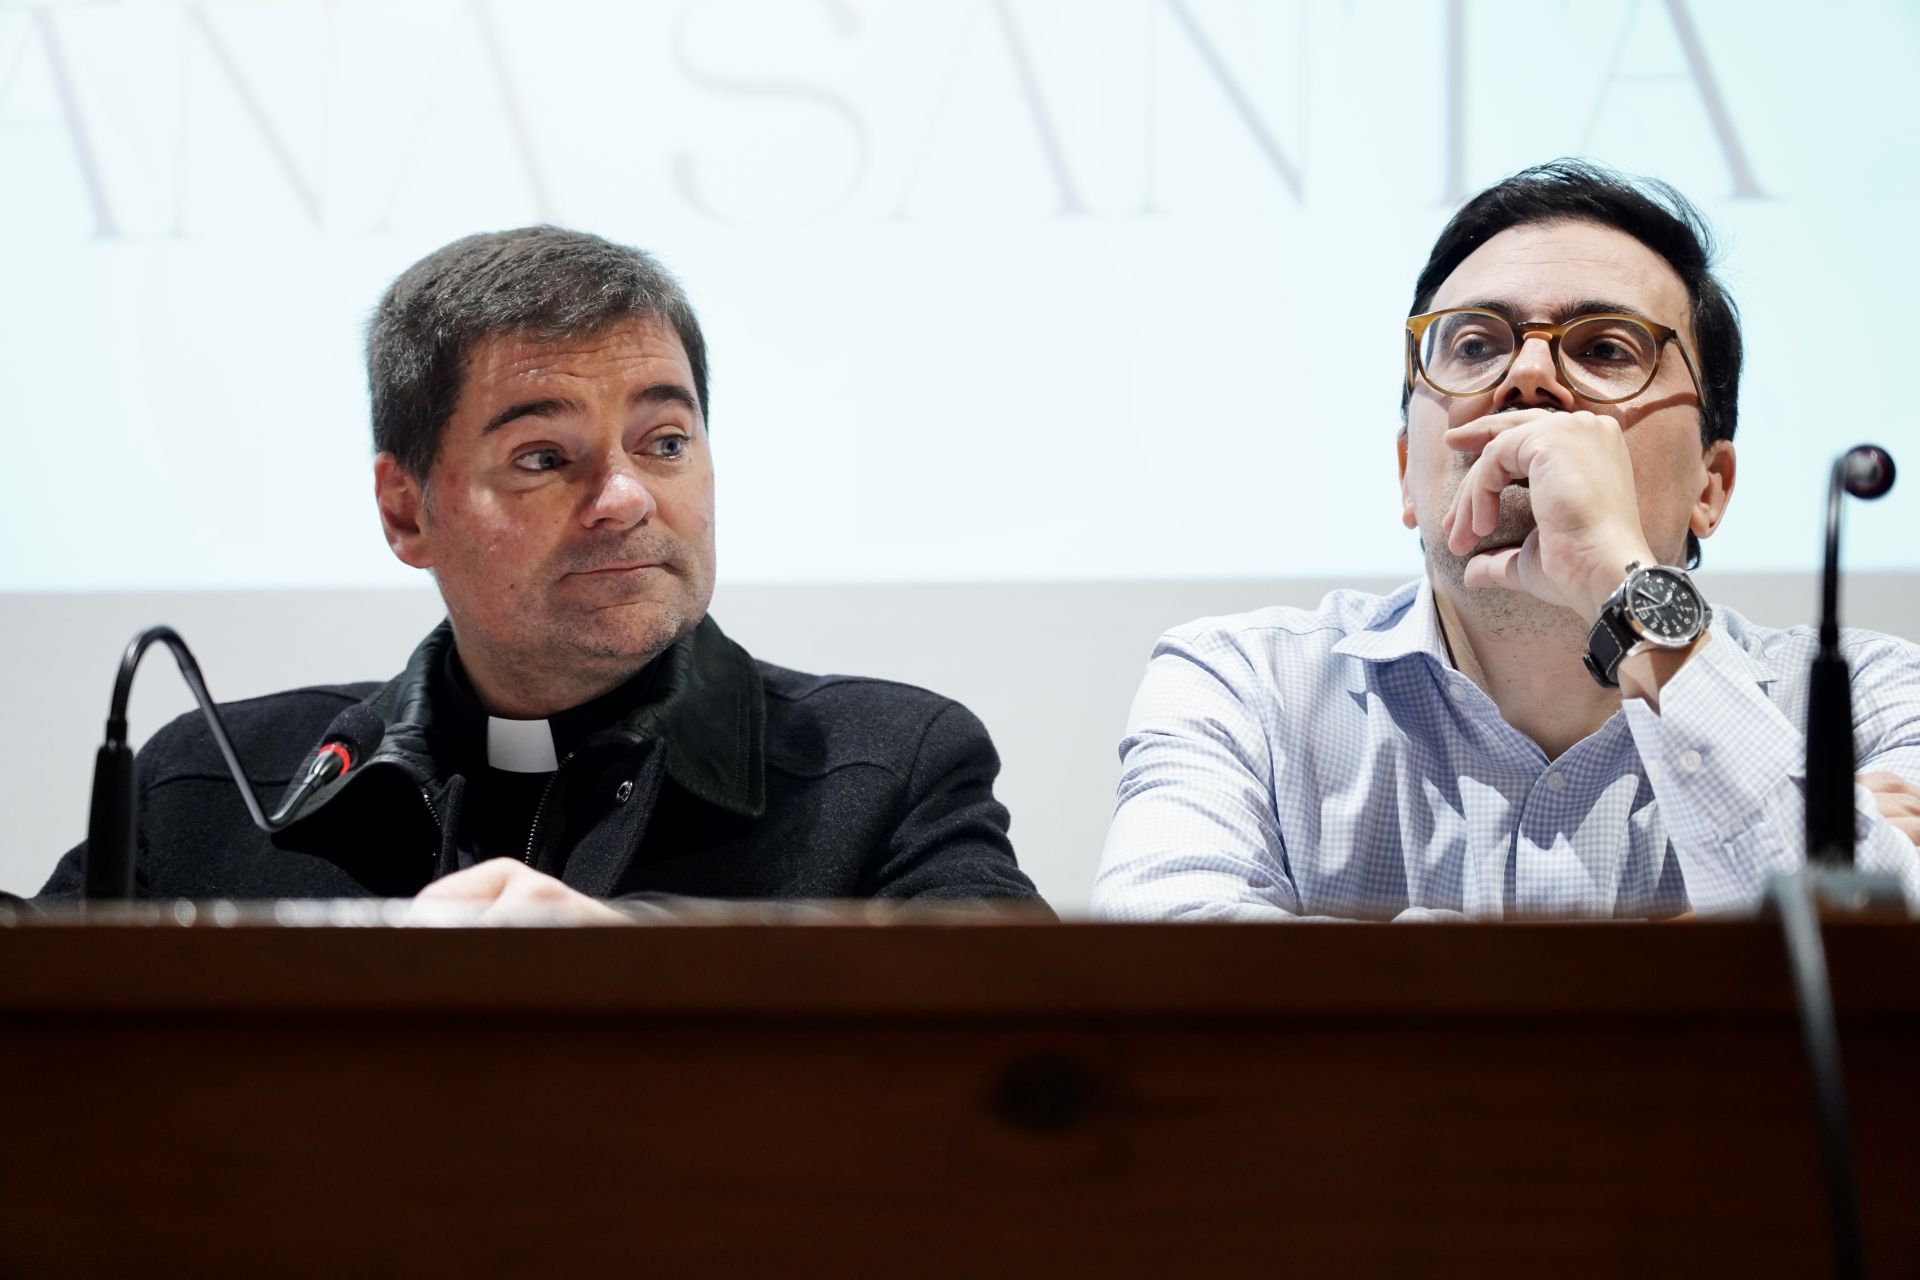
pixel 1083 294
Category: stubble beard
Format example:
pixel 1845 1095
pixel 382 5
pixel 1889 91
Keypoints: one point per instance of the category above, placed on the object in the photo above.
pixel 574 659
pixel 665 618
pixel 556 654
pixel 630 646
pixel 617 639
pixel 1497 612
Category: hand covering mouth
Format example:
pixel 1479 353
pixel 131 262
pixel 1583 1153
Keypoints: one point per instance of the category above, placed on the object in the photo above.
pixel 1466 464
pixel 1516 522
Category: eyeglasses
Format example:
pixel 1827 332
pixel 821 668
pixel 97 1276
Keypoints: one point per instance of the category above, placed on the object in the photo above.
pixel 1605 357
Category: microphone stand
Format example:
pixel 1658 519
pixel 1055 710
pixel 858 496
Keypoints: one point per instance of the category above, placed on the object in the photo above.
pixel 1828 883
pixel 112 824
pixel 1831 830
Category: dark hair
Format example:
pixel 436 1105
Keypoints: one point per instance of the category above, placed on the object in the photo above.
pixel 1653 213
pixel 545 282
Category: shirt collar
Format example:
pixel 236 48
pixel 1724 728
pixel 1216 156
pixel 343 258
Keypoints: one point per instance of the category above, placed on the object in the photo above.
pixel 521 746
pixel 702 697
pixel 1408 622
pixel 1403 624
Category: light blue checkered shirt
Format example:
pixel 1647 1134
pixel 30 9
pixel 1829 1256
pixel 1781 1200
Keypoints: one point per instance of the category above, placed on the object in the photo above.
pixel 1289 763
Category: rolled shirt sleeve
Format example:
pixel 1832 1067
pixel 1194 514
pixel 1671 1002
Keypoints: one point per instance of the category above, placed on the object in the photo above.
pixel 1728 767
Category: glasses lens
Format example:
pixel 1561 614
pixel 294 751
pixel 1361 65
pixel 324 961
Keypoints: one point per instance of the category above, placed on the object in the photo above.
pixel 1466 351
pixel 1608 358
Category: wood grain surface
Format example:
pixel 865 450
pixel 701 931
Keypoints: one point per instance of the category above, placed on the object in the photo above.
pixel 937 1098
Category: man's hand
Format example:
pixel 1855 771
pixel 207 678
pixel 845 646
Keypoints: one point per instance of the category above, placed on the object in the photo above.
pixel 1899 801
pixel 504 891
pixel 1585 511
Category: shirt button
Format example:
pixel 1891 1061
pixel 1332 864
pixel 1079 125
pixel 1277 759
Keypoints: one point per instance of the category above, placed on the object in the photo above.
pixel 1457 690
pixel 622 792
pixel 1690 761
pixel 1555 782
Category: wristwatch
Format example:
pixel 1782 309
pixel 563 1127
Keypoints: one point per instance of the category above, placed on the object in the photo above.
pixel 1657 607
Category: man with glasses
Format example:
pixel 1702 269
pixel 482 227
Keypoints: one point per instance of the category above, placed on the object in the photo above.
pixel 1553 720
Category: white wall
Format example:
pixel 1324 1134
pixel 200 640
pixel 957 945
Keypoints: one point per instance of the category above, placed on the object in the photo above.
pixel 998 277
pixel 1050 668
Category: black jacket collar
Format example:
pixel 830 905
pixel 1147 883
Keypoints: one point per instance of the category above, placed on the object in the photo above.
pixel 704 703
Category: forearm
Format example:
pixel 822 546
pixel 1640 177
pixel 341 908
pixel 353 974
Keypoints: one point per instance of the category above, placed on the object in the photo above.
pixel 1143 881
pixel 1728 769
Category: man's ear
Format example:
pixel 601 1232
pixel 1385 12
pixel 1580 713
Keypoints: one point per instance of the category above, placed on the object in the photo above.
pixel 403 507
pixel 1710 508
pixel 1407 515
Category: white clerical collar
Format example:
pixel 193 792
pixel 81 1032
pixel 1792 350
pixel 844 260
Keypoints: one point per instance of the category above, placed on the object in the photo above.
pixel 521 746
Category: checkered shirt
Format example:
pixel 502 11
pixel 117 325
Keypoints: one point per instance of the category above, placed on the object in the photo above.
pixel 1289 763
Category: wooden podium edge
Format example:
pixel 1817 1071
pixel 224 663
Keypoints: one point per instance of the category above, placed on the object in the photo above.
pixel 1713 971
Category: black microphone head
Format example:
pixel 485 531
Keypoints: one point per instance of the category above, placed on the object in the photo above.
pixel 358 729
pixel 1869 471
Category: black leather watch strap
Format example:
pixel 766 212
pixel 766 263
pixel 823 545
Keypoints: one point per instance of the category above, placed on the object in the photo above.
pixel 1607 644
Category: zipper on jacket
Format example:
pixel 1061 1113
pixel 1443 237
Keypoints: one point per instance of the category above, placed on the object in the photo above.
pixel 540 810
pixel 431 811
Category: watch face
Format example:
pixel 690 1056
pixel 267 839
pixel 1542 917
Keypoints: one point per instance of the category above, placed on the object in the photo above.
pixel 1664 607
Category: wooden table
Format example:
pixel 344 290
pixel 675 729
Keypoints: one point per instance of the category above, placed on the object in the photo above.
pixel 941 1099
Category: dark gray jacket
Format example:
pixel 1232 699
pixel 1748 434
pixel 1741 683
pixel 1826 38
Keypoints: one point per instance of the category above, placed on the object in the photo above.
pixel 736 779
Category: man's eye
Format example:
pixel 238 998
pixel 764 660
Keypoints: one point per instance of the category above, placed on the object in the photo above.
pixel 539 460
pixel 670 446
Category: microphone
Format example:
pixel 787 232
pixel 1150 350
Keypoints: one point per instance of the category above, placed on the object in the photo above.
pixel 353 736
pixel 1865 471
pixel 108 872
pixel 1829 882
pixel 1869 470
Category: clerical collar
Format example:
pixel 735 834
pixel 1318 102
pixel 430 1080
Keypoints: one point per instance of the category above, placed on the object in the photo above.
pixel 470 736
pixel 521 746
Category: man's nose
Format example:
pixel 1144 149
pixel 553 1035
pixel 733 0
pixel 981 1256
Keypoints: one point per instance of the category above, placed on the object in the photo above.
pixel 1533 379
pixel 621 496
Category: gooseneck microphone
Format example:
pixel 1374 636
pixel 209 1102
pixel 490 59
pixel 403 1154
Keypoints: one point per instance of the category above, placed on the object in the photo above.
pixel 1829 881
pixel 1865 471
pixel 353 736
pixel 112 819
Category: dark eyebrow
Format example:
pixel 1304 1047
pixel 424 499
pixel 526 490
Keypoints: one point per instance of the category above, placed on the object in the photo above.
pixel 666 393
pixel 549 408
pixel 554 406
pixel 1592 305
pixel 1564 312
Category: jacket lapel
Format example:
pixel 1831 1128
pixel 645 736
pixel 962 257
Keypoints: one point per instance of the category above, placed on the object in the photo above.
pixel 703 732
pixel 597 864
